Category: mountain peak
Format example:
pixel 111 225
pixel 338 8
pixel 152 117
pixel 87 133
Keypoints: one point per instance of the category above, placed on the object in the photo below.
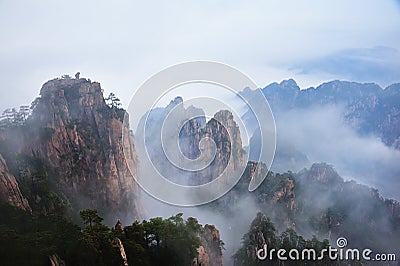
pixel 77 138
pixel 323 173
pixel 394 88
pixel 290 84
pixel 177 100
pixel 224 115
pixel 58 84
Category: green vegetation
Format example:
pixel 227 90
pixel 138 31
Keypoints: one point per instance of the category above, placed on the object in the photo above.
pixel 37 184
pixel 317 201
pixel 11 117
pixel 263 231
pixel 113 101
pixel 115 104
pixel 27 239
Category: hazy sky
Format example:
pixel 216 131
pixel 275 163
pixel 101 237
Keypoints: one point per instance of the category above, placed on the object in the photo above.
pixel 122 43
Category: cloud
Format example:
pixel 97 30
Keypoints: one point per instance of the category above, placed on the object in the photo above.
pixel 122 43
pixel 378 64
pixel 231 227
pixel 321 134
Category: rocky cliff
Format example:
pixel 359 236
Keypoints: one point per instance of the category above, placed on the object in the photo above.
pixel 209 253
pixel 226 136
pixel 223 130
pixel 73 143
pixel 9 189
pixel 192 125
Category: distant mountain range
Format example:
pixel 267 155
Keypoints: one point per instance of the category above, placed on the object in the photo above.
pixel 354 126
pixel 366 106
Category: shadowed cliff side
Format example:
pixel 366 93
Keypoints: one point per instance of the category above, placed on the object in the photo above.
pixel 9 189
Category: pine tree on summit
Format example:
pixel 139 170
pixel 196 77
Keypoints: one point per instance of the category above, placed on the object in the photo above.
pixel 113 101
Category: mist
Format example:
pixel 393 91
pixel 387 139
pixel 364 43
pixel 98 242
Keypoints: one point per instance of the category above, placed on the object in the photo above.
pixel 304 136
pixel 231 228
pixel 321 134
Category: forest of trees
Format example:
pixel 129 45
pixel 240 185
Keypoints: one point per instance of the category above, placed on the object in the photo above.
pixel 27 239
pixel 263 231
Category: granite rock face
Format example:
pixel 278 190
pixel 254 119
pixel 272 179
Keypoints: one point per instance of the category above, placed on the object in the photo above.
pixel 224 132
pixel 193 129
pixel 77 138
pixel 209 252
